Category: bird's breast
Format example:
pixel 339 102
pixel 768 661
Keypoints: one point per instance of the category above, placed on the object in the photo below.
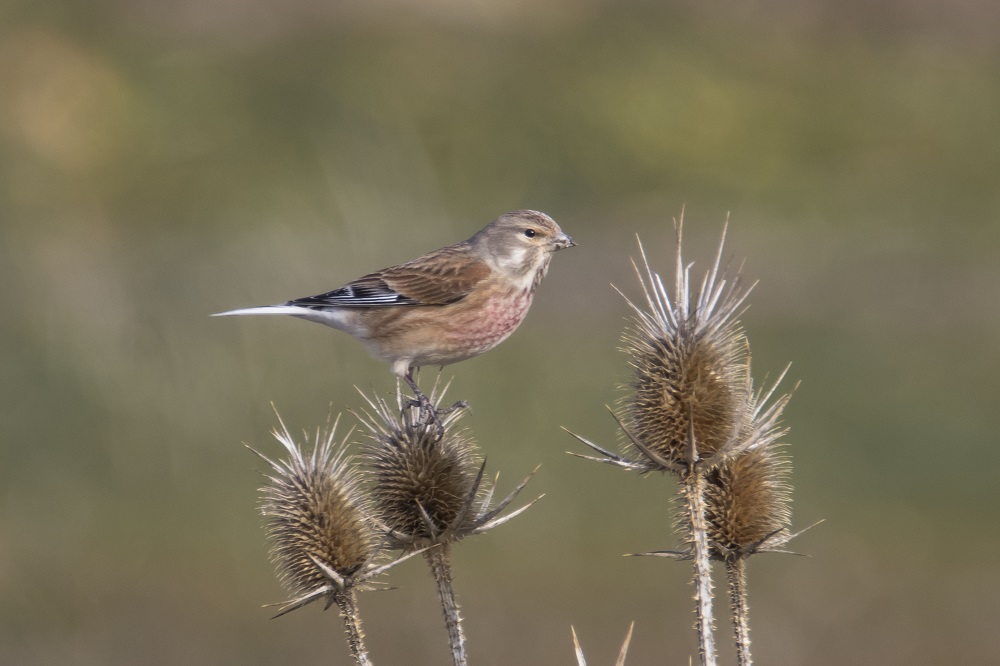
pixel 498 319
pixel 449 334
pixel 472 328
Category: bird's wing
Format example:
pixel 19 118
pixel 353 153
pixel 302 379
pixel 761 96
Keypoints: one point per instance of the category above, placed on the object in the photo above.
pixel 445 276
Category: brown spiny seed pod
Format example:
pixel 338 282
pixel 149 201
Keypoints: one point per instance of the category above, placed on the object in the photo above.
pixel 425 484
pixel 690 371
pixel 747 503
pixel 316 515
pixel 685 385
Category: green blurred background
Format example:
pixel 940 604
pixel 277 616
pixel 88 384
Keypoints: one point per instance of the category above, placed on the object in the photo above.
pixel 160 161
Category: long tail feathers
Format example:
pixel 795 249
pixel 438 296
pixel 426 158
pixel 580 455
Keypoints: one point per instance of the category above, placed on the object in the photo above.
pixel 263 310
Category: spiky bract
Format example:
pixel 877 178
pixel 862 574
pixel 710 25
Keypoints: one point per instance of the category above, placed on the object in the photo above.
pixel 689 388
pixel 317 520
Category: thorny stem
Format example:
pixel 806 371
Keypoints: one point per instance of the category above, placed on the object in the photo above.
pixel 439 560
pixel 694 494
pixel 347 603
pixel 736 571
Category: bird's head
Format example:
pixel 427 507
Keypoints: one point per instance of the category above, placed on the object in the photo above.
pixel 521 243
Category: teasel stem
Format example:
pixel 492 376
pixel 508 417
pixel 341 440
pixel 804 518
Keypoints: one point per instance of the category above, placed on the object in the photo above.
pixel 346 601
pixel 736 572
pixel 439 560
pixel 693 485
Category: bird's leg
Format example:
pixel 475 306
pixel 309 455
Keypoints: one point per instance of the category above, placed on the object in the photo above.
pixel 428 413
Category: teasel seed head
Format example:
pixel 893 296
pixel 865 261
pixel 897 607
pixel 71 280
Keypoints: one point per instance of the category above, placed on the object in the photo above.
pixel 426 487
pixel 747 503
pixel 322 540
pixel 748 496
pixel 687 397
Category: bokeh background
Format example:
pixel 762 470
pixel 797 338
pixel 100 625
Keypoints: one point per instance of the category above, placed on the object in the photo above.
pixel 160 161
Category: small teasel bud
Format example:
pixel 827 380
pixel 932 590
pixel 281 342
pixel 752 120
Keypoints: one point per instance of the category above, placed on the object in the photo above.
pixel 688 392
pixel 317 518
pixel 747 502
pixel 748 496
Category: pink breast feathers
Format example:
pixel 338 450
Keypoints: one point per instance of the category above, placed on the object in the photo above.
pixel 496 321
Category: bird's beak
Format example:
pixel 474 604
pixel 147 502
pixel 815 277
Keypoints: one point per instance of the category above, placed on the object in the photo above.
pixel 563 241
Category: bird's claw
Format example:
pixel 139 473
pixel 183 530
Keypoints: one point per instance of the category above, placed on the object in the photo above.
pixel 429 415
pixel 461 404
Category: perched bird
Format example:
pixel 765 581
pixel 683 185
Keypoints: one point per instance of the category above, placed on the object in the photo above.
pixel 446 306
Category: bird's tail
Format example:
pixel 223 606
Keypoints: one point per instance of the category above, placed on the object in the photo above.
pixel 263 310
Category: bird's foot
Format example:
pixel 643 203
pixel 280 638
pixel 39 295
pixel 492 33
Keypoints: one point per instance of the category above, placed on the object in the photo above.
pixel 428 413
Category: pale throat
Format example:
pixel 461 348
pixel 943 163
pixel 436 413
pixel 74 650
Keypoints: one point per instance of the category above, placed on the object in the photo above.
pixel 526 267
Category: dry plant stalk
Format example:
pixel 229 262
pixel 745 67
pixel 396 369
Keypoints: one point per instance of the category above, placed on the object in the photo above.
pixel 690 409
pixel 428 490
pixel 688 396
pixel 687 399
pixel 322 538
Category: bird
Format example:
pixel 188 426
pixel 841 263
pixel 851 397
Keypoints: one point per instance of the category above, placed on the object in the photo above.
pixel 444 307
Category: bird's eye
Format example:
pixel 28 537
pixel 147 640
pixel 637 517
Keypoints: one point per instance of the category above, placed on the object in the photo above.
pixel 530 233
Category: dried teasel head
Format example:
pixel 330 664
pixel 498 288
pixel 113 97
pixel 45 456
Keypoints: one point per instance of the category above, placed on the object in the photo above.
pixel 322 540
pixel 748 496
pixel 689 389
pixel 427 486
pixel 747 503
